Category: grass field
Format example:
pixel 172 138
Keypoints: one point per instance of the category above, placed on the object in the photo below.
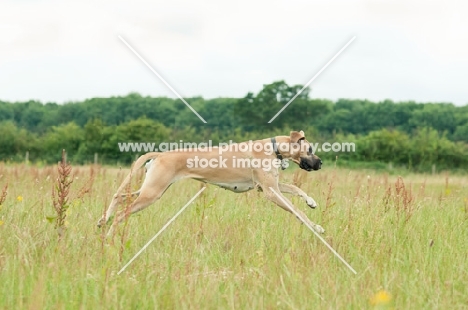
pixel 406 237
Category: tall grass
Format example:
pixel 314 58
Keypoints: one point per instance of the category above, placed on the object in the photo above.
pixel 407 237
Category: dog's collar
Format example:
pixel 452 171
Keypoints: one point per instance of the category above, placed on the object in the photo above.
pixel 275 148
pixel 278 155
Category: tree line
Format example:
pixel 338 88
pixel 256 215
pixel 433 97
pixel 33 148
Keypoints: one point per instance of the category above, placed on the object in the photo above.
pixel 409 134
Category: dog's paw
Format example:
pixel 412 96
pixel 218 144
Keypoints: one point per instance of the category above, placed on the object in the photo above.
pixel 101 222
pixel 319 229
pixel 311 202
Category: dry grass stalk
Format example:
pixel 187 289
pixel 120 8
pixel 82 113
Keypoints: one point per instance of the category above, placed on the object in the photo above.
pixel 61 192
pixel 358 192
pixel 369 190
pixel 299 177
pixel 329 202
pixel 127 208
pixel 201 208
pixel 4 194
pixel 87 186
pixel 404 199
pixel 422 189
pixel 202 198
pixel 466 208
pixel 388 196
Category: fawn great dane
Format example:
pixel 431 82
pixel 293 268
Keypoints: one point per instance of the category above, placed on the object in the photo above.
pixel 238 168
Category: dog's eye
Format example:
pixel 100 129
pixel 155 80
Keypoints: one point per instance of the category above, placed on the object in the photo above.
pixel 310 149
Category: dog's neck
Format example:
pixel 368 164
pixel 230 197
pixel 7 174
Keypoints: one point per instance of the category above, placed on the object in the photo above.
pixel 275 148
pixel 281 152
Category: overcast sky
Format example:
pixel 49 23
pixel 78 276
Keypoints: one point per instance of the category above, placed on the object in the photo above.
pixel 66 51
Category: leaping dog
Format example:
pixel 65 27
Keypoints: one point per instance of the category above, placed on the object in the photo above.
pixel 239 169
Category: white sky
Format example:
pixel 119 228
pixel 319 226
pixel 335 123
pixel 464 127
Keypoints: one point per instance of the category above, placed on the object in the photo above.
pixel 69 50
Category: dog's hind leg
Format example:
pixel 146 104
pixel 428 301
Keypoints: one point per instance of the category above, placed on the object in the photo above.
pixel 294 190
pixel 137 193
pixel 150 192
pixel 117 198
pixel 116 201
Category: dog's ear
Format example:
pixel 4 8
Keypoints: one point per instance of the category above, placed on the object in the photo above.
pixel 296 136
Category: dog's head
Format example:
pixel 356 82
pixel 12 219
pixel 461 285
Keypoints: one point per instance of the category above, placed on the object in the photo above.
pixel 301 152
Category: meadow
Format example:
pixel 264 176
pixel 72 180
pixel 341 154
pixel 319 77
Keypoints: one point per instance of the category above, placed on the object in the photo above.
pixel 406 236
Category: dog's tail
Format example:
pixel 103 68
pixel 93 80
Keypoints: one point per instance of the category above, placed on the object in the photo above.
pixel 135 166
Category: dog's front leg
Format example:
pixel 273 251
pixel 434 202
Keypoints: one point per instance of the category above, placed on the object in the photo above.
pixel 269 179
pixel 274 198
pixel 294 190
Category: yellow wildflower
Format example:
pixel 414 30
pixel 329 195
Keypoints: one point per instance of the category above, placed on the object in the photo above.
pixel 382 298
pixel 19 198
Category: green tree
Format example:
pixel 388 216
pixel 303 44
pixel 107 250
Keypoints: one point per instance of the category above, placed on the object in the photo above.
pixel 139 130
pixel 383 145
pixel 441 117
pixel 253 112
pixel 14 141
pixel 67 136
pixel 6 111
pixel 461 133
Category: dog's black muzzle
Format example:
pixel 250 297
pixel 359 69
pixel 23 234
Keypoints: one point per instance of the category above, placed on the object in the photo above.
pixel 310 164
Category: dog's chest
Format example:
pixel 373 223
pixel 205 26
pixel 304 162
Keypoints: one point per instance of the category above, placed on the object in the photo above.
pixel 236 187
